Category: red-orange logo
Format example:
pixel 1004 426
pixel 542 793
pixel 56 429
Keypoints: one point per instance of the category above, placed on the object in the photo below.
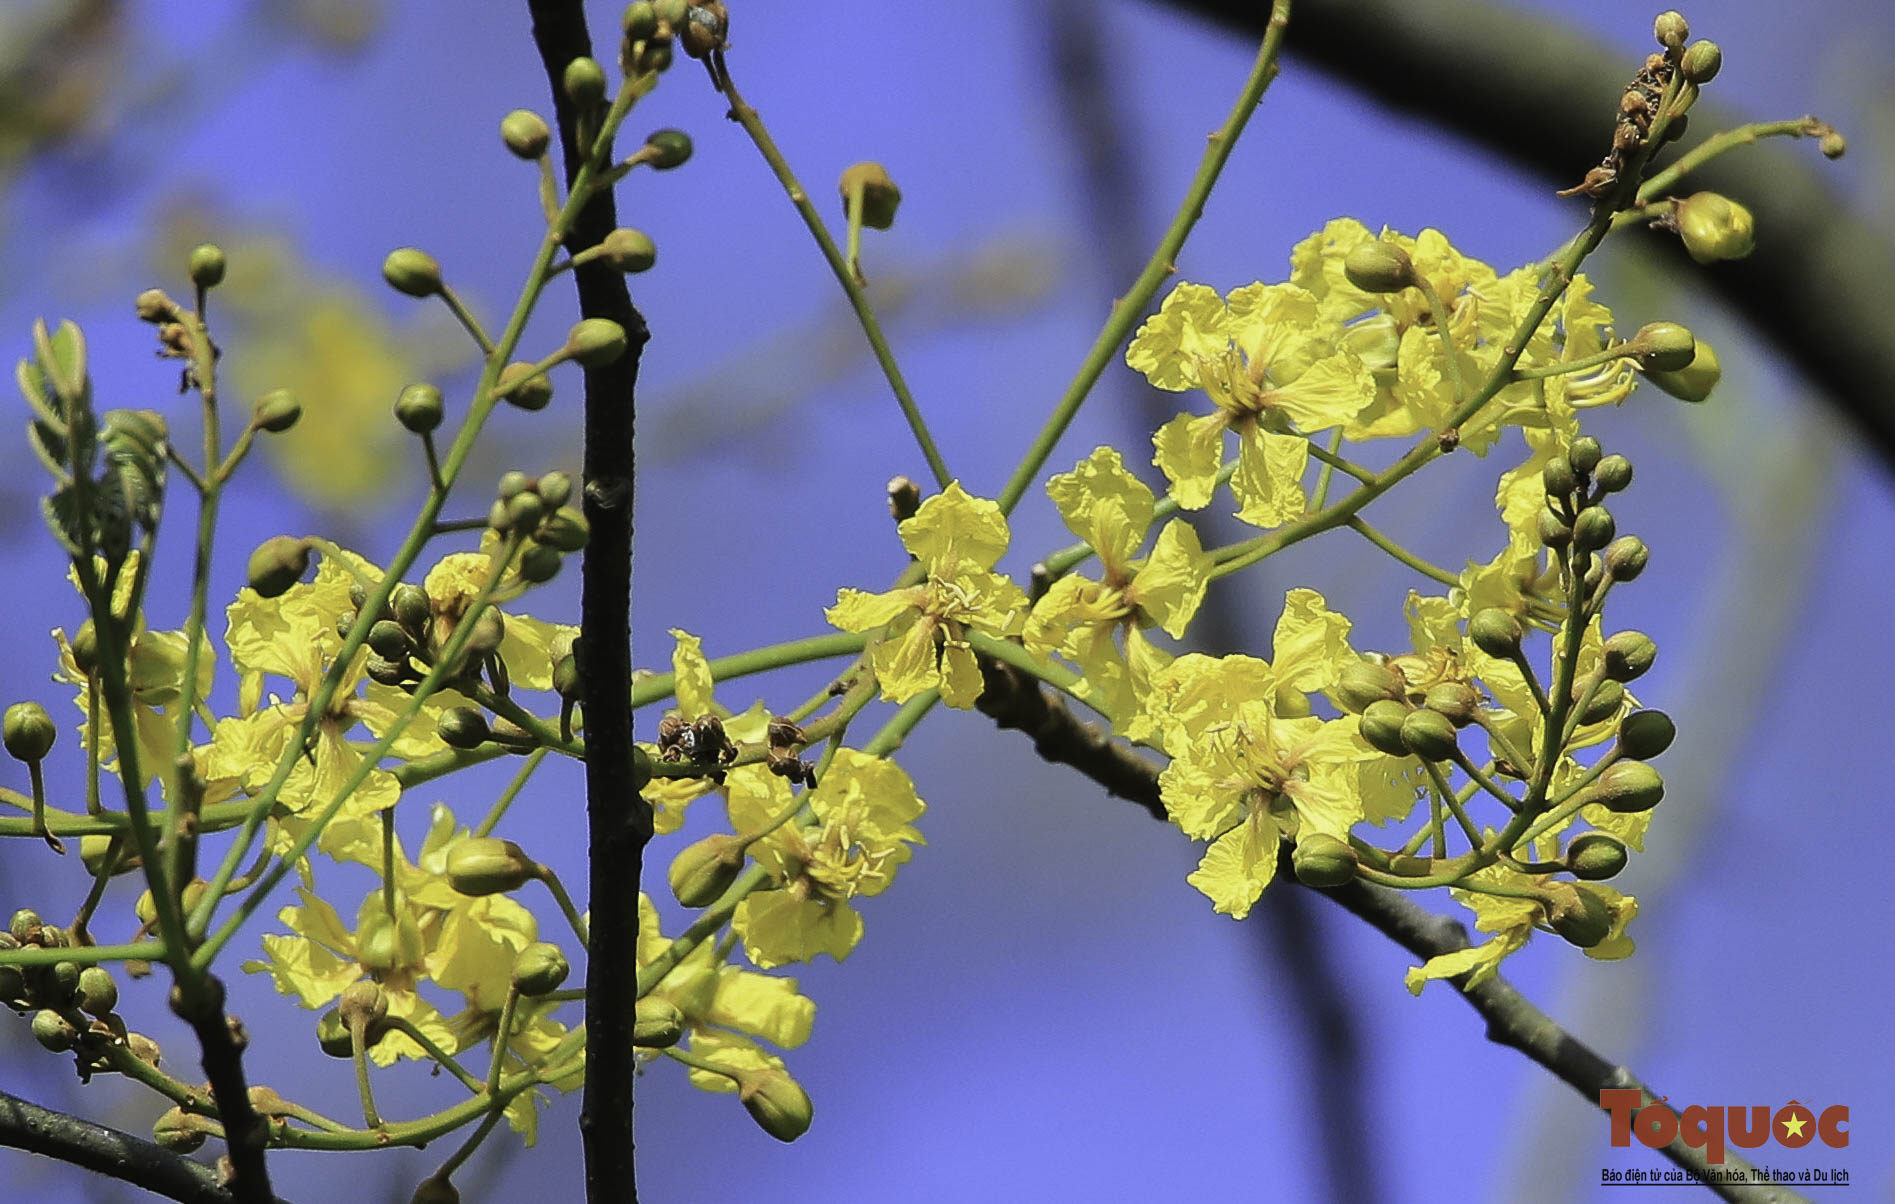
pixel 1794 1125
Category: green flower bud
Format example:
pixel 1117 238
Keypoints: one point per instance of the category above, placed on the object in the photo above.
pixel 584 83
pixel 512 484
pixel 1429 735
pixel 1380 267
pixel 277 564
pixel 28 731
pixel 434 1189
pixel 1715 227
pixel 332 1035
pixel 1606 701
pixel 1645 734
pixel 666 149
pixel 85 647
pixel 25 926
pixel 1554 531
pixel 385 943
pixel 1593 529
pixel 463 727
pixel 276 411
pixel 419 408
pixel 672 12
pixel 385 672
pixel 489 630
pixel 413 272
pixel 409 604
pixel 1662 346
pixel 1627 558
pixel 1628 654
pixel 566 530
pixel 61 984
pixel 1366 682
pixel 1627 787
pixel 93 850
pixel 1322 860
pixel 1833 145
pixel 641 769
pixel 181 1132
pixel 1701 62
pixel 656 1023
pixel 554 488
pixel 525 133
pixel 1578 915
pixel 703 871
pixel 629 250
pixel 98 993
pixel 780 1107
pixel 520 386
pixel 566 677
pixel 1381 726
pixel 525 511
pixel 880 197
pixel 486 865
pixel 596 342
pixel 207 265
pixel 1595 856
pixel 640 21
pixel 53 1031
pixel 363 1003
pixel 1695 382
pixel 1584 455
pixel 1560 479
pixel 1496 633
pixel 1671 29
pixel 1456 700
pixel 538 969
pixel 52 936
pixel 389 641
pixel 1613 474
pixel 499 517
pixel 539 563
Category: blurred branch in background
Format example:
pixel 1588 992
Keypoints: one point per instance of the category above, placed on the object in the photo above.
pixel 1818 286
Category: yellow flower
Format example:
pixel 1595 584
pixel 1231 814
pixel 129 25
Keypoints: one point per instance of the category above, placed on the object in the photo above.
pixel 1112 511
pixel 716 997
pixel 924 646
pixel 1267 359
pixel 1512 920
pixel 669 796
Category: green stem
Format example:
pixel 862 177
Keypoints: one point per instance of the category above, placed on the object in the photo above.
pixel 1435 572
pixel 660 686
pixel 512 791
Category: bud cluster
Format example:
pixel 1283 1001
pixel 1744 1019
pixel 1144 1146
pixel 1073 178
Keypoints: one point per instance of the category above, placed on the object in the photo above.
pixel 74 1006
pixel 535 509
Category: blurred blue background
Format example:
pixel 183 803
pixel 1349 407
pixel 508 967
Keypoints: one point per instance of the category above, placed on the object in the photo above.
pixel 1043 1010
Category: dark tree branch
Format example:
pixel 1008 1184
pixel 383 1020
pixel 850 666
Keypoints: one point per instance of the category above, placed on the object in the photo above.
pixel 1542 97
pixel 27 1126
pixel 619 823
pixel 221 1042
pixel 1013 700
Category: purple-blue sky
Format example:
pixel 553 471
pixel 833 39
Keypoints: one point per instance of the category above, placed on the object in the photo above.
pixel 1043 1009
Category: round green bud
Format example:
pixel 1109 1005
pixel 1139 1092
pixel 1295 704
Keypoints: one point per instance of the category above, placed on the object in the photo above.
pixel 641 768
pixel 1627 787
pixel 413 272
pixel 653 56
pixel 63 983
pixel 1701 62
pixel 1584 455
pixel 1559 477
pixel 1606 702
pixel 94 850
pixel 1627 557
pixel 555 488
pixel 639 21
pixel 29 731
pixel 499 517
pixel 880 197
pixel 523 387
pixel 363 1003
pixel 629 250
pixel 512 484
pixel 525 511
pixel 1455 700
pixel 53 1031
pixel 277 564
pixel 1628 654
pixel 1671 29
pixel 1379 267
pixel 1645 734
pixel 207 265
pixel 25 926
pixel 666 149
pixel 1593 529
pixel 486 865
pixel 332 1035
pixel 1496 633
pixel 672 12
pixel 409 604
pixel 489 629
pixel 1664 346
pixel 1833 145
pixel 703 871
pixel 584 82
pixel 436 1189
pixel 1429 735
pixel 384 942
pixel 1594 856
pixel 656 1023
pixel 419 409
pixel 525 133
pixel 538 969
pixel 1579 915
pixel 566 682
pixel 539 563
pixel 566 529
pixel 1381 726
pixel 52 936
pixel 1324 861
pixel 1365 682
pixel 596 342
pixel 276 411
pixel 776 1102
pixel 1613 474
pixel 463 727
pixel 181 1132
pixel 98 992
pixel 1695 382
pixel 1715 227
pixel 1554 531
pixel 385 672
pixel 85 647
pixel 389 641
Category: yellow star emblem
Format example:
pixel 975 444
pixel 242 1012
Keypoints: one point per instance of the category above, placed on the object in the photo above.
pixel 1793 1127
